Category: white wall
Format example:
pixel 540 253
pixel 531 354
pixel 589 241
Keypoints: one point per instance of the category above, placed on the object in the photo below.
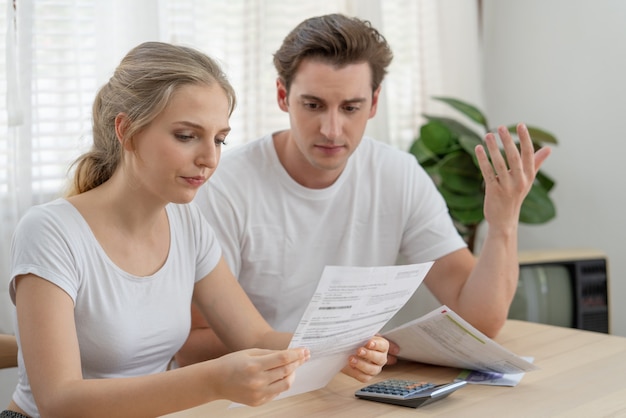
pixel 561 65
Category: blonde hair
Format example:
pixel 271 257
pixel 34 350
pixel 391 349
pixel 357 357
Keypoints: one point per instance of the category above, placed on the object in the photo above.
pixel 141 87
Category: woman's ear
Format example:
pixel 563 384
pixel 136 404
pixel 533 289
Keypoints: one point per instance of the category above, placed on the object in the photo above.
pixel 121 130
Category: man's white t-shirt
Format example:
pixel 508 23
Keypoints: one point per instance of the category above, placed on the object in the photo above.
pixel 277 235
pixel 126 325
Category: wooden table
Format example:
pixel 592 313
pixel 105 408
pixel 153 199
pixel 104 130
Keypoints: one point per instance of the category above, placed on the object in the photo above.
pixel 582 374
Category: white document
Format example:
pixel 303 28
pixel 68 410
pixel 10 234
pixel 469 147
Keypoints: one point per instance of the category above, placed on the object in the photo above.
pixel 350 305
pixel 443 338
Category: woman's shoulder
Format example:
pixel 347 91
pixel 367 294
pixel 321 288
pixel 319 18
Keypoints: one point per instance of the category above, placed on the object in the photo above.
pixel 51 226
pixel 57 212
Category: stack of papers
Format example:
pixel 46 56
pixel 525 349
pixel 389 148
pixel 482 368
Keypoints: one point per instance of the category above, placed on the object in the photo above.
pixel 443 338
pixel 352 304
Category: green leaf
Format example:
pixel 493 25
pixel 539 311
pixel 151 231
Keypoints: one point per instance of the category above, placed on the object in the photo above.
pixel 457 128
pixel 544 180
pixel 423 154
pixel 537 208
pixel 459 173
pixel 468 143
pixel 468 216
pixel 437 137
pixel 538 135
pixel 467 109
pixel 431 169
pixel 461 201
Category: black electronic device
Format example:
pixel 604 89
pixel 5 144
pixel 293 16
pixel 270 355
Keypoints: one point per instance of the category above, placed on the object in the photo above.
pixel 408 393
pixel 567 288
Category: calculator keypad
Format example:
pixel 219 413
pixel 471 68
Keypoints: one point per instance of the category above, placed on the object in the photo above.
pixel 400 389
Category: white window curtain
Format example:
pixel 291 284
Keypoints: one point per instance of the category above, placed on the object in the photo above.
pixel 56 53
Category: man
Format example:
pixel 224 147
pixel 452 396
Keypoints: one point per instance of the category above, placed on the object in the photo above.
pixel 319 193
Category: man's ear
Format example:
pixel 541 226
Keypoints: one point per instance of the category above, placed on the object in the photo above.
pixel 281 95
pixel 121 130
pixel 375 101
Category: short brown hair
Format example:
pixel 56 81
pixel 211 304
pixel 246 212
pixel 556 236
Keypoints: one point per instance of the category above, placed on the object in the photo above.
pixel 336 39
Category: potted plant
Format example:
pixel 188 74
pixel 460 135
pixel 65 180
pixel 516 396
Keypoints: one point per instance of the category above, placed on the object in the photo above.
pixel 445 148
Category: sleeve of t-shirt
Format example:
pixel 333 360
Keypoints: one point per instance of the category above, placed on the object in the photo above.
pixel 430 232
pixel 41 246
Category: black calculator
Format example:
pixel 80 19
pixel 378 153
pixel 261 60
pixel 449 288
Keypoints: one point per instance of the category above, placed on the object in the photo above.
pixel 407 392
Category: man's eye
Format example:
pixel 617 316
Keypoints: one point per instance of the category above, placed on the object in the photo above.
pixel 312 106
pixel 351 109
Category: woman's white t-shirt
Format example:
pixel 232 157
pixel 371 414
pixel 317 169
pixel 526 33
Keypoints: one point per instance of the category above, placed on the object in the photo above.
pixel 126 325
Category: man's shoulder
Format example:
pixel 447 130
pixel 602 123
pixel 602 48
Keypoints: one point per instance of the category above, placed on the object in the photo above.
pixel 243 160
pixel 247 151
pixel 383 153
pixel 244 165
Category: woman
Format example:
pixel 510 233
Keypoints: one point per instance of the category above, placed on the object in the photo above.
pixel 102 279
